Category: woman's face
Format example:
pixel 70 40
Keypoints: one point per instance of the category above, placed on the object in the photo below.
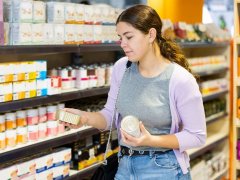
pixel 134 43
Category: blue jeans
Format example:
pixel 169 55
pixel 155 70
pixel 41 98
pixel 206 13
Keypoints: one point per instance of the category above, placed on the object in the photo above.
pixel 150 167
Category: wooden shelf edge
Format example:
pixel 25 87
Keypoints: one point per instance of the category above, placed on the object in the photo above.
pixel 75 48
pixel 211 142
pixel 37 101
pixel 219 174
pixel 212 72
pixel 216 117
pixel 214 95
pixel 83 173
pixel 50 142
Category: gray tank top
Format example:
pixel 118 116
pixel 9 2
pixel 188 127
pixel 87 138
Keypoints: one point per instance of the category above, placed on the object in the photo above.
pixel 148 100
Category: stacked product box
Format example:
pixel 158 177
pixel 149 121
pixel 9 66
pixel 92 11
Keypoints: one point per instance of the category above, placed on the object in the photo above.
pixel 41 167
pixel 20 80
pixel 38 22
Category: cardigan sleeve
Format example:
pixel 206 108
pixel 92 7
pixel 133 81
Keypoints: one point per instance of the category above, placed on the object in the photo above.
pixel 116 77
pixel 190 109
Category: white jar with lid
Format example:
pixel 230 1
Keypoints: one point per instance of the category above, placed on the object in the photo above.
pixel 32 116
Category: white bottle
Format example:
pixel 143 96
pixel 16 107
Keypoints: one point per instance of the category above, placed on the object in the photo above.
pixel 130 124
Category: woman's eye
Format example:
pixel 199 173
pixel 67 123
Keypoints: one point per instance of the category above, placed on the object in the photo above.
pixel 129 37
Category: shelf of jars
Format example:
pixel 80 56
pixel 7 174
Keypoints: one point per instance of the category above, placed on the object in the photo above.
pixel 19 151
pixel 67 96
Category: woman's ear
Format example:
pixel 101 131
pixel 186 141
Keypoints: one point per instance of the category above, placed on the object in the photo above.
pixel 152 35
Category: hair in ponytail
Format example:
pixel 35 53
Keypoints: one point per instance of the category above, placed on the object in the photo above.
pixel 143 18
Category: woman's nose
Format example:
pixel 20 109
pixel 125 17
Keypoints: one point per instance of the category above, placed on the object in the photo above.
pixel 123 44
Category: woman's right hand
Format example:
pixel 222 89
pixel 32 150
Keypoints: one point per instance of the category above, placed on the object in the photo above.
pixel 83 118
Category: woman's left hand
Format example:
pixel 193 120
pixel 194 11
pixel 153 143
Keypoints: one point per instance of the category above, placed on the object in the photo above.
pixel 143 140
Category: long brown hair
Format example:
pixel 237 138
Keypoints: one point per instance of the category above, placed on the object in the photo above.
pixel 143 18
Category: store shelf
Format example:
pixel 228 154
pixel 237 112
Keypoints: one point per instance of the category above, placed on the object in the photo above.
pixel 100 47
pixel 203 44
pixel 62 48
pixel 83 173
pixel 216 117
pixel 33 102
pixel 212 72
pixel 212 141
pixel 32 49
pixel 220 174
pixel 214 95
pixel 32 148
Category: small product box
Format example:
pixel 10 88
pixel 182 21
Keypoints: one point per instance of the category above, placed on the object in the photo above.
pixel 48 174
pixel 88 34
pixel 44 163
pixel 69 34
pixel 20 33
pixel 41 68
pixel 79 33
pixel 68 117
pixel 28 167
pixel 42 87
pixel 61 156
pixel 59 33
pixel 18 71
pixel 21 11
pixel 39 12
pixel 37 33
pixel 6 72
pixel 55 12
pixel 31 70
pixel 31 89
pixel 69 13
pixel 79 13
pixel 6 92
pixel 19 89
pixel 48 33
pixel 9 172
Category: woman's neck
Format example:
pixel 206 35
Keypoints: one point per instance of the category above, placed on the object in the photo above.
pixel 152 65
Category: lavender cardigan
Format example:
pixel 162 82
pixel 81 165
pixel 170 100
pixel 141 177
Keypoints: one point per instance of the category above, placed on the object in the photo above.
pixel 188 118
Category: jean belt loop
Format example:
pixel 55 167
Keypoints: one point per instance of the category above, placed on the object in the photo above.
pixel 130 151
pixel 141 152
pixel 151 153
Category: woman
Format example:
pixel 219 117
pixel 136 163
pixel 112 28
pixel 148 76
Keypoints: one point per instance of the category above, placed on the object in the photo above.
pixel 159 89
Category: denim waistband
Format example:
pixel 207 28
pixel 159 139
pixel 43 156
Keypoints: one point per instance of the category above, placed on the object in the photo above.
pixel 125 151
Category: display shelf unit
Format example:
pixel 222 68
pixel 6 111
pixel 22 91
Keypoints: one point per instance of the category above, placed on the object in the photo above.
pixel 220 174
pixel 217 124
pixel 235 173
pixel 67 137
pixel 190 49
